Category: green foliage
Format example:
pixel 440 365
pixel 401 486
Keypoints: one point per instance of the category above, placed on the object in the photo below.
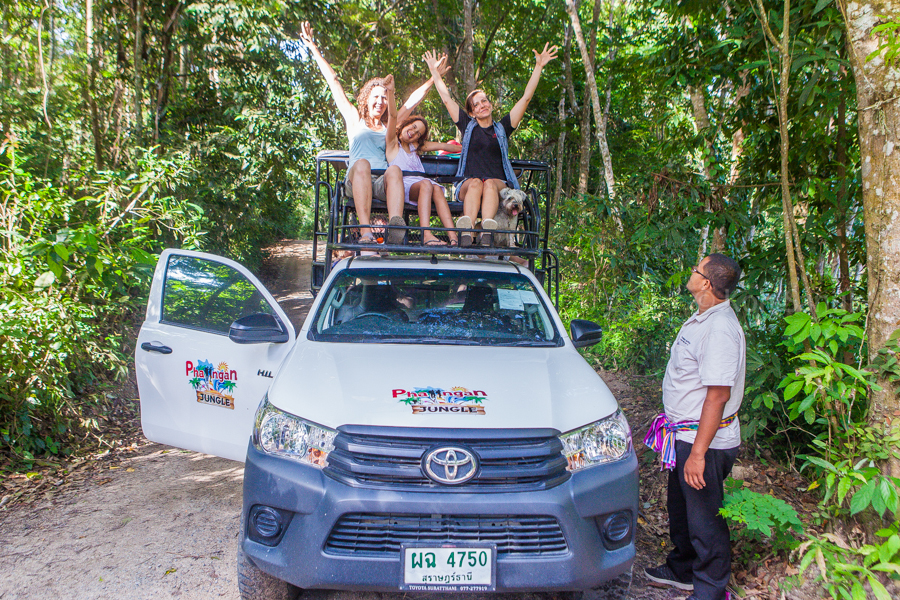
pixel 846 572
pixel 831 397
pixel 852 470
pixel 763 515
pixel 889 44
pixel 833 392
pixel 74 270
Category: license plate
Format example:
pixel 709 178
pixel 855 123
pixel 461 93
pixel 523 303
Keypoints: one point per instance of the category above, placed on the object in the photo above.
pixel 449 569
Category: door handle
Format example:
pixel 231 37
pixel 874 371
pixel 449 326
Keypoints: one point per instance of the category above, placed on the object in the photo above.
pixel 151 347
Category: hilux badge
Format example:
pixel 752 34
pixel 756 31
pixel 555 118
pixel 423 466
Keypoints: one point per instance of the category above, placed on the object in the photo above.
pixel 450 465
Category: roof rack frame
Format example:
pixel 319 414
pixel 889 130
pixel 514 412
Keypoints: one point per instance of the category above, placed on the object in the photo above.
pixel 336 228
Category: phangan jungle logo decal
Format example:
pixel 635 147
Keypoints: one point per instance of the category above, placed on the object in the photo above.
pixel 435 400
pixel 214 385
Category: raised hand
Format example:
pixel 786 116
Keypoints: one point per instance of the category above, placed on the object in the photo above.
pixel 431 59
pixel 546 56
pixel 443 65
pixel 306 34
pixel 388 83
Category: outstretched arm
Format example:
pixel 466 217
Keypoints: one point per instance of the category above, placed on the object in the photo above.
pixel 540 60
pixel 432 146
pixel 452 107
pixel 391 144
pixel 419 94
pixel 347 109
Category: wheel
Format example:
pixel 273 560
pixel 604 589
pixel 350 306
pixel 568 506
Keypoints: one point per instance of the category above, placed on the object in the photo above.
pixel 255 584
pixel 618 588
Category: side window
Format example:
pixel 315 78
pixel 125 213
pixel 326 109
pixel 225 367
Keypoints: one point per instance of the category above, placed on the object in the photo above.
pixel 203 294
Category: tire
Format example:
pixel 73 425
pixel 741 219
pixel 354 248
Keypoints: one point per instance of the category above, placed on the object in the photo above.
pixel 618 588
pixel 255 584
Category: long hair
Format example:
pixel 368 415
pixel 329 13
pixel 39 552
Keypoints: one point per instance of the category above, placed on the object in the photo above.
pixel 362 99
pixel 409 121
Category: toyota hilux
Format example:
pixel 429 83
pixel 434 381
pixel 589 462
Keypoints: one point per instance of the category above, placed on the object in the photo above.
pixel 431 427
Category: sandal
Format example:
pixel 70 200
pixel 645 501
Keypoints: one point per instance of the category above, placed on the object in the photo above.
pixel 367 238
pixel 435 242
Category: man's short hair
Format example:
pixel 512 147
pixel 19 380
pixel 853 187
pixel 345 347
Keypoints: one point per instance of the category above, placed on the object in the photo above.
pixel 723 274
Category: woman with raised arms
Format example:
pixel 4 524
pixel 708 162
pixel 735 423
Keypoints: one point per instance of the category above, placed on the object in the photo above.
pixel 484 162
pixel 366 131
pixel 403 150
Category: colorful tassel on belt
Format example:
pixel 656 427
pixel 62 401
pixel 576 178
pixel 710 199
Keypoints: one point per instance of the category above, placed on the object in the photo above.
pixel 661 436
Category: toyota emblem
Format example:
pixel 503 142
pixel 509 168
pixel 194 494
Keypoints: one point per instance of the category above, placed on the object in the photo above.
pixel 450 465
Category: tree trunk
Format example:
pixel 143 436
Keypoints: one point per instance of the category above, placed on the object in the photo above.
pixel 138 68
pixel 787 205
pixel 567 65
pixel 468 53
pixel 560 149
pixel 595 99
pixel 879 141
pixel 737 152
pixel 584 172
pixel 90 92
pixel 604 120
pixel 840 157
pixel 162 94
pixel 43 72
pixel 701 124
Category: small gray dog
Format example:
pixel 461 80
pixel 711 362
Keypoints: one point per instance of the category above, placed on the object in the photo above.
pixel 512 202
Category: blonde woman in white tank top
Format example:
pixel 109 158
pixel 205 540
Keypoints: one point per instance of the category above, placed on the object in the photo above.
pixel 366 131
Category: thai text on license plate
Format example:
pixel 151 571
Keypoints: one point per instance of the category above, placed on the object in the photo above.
pixel 462 568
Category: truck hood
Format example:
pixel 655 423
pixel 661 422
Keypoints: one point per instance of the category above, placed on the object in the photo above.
pixel 440 386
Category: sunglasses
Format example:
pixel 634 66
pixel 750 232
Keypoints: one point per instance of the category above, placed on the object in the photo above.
pixel 697 271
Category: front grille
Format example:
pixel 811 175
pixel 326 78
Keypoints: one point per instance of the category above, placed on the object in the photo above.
pixel 383 534
pixel 391 458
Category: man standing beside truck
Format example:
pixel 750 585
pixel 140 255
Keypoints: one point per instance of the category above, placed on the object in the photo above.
pixel 698 435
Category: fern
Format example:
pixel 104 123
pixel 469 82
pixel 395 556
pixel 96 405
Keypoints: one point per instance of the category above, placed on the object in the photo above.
pixel 763 516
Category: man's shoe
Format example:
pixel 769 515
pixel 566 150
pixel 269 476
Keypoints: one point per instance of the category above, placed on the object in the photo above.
pixel 664 576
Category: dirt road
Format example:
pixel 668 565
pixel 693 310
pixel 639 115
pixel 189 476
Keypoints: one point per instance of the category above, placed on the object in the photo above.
pixel 155 522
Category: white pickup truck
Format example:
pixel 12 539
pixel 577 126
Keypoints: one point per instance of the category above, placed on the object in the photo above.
pixel 431 427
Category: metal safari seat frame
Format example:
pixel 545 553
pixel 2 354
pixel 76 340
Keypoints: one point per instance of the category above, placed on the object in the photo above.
pixel 337 228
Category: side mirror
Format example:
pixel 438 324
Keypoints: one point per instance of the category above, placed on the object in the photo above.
pixel 260 328
pixel 585 333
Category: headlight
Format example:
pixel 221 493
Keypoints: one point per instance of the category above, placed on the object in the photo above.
pixel 283 434
pixel 603 441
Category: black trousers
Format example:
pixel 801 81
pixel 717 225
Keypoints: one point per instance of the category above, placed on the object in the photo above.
pixel 702 552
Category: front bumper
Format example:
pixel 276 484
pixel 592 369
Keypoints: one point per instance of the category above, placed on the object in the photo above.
pixel 317 502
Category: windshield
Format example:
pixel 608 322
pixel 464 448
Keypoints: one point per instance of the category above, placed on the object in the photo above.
pixel 434 307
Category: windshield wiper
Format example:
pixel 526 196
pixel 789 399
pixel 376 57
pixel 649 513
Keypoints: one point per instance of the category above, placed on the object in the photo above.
pixel 430 340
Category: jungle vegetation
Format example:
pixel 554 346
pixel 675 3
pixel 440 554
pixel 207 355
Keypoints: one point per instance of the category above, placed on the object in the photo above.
pixel 764 129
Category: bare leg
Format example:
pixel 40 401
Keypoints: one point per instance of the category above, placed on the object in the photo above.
pixel 421 192
pixel 471 192
pixel 490 199
pixel 360 176
pixel 443 211
pixel 393 183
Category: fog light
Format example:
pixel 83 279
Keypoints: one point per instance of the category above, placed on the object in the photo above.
pixel 616 529
pixel 266 525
